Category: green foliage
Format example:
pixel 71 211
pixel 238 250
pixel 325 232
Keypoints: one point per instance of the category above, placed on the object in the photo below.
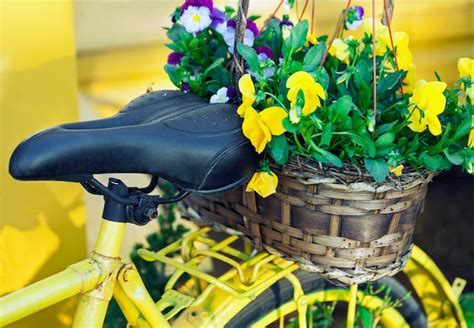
pixel 467 305
pixel 344 129
pixel 152 273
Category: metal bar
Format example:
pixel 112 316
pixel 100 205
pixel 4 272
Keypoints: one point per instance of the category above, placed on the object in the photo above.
pixel 93 305
pixel 75 279
pixel 110 238
pixel 132 285
pixel 438 299
pixel 129 310
pixel 351 311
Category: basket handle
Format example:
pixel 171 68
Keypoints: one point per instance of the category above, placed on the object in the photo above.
pixel 237 65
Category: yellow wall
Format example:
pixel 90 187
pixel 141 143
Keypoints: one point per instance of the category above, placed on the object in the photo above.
pixel 122 44
pixel 41 223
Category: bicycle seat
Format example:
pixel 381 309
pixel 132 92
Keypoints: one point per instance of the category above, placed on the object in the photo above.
pixel 180 137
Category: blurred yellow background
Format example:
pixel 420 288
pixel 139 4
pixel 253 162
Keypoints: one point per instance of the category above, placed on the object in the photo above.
pixel 63 61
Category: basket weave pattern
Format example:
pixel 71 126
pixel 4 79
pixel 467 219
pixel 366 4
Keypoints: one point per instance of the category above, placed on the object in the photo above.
pixel 350 233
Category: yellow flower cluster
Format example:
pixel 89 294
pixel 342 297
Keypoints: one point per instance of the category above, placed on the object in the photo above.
pixel 340 50
pixel 400 42
pixel 259 127
pixel 426 103
pixel 313 93
pixel 466 68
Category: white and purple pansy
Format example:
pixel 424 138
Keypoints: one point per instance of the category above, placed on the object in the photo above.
pixel 286 26
pixel 196 15
pixel 354 18
pixel 223 95
pixel 218 20
pixel 266 57
pixel 250 33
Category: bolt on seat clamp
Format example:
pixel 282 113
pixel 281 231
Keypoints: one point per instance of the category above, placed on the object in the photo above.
pixel 131 205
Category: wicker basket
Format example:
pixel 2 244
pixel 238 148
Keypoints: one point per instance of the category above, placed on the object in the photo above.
pixel 329 221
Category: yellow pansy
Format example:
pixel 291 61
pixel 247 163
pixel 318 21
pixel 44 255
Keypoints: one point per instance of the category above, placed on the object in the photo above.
pixel 404 55
pixel 247 89
pixel 466 68
pixel 382 42
pixel 427 97
pixel 397 171
pixel 311 39
pixel 259 127
pixel 263 183
pixel 470 142
pixel 381 35
pixel 312 91
pixel 340 50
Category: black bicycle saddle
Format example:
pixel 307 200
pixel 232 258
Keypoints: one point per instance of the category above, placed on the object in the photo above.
pixel 180 137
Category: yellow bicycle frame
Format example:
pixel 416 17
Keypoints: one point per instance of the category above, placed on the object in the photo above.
pixel 216 300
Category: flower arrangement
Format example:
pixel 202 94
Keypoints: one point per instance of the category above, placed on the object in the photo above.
pixel 344 101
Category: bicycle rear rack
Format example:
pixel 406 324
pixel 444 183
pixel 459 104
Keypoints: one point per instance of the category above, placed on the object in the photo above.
pixel 241 281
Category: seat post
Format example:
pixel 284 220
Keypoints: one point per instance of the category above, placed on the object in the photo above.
pixel 93 304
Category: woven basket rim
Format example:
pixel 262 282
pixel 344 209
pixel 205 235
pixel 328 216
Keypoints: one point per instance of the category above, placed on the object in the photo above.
pixel 349 177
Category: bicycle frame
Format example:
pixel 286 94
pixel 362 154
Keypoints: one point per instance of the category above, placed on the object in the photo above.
pixel 217 299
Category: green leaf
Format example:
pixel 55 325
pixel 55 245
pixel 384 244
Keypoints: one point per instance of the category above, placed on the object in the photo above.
pixel 174 33
pixel 366 317
pixel 321 76
pixel 454 158
pixel 250 56
pixel 326 135
pixel 176 47
pixel 365 142
pixel 295 67
pixel 194 43
pixel 313 57
pixel 173 74
pixel 378 168
pixel 434 162
pixel 278 149
pixel 463 129
pixel 214 65
pixel 340 109
pixel 389 81
pixel 329 157
pixel 290 127
pixel 298 36
pixel 385 139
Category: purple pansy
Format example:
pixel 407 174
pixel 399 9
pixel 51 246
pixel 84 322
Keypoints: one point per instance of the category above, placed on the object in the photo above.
pixel 223 95
pixel 198 3
pixel 287 23
pixel 174 58
pixel 250 33
pixel 252 27
pixel 217 17
pixel 354 18
pixel 186 87
pixel 231 93
pixel 359 12
pixel 267 51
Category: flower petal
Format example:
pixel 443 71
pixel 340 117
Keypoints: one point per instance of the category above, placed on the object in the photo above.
pixel 273 118
pixel 255 130
pixel 417 124
pixel 263 183
pixel 246 87
pixel 433 124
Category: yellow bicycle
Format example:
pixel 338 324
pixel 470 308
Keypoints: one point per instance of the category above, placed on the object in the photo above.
pixel 199 148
